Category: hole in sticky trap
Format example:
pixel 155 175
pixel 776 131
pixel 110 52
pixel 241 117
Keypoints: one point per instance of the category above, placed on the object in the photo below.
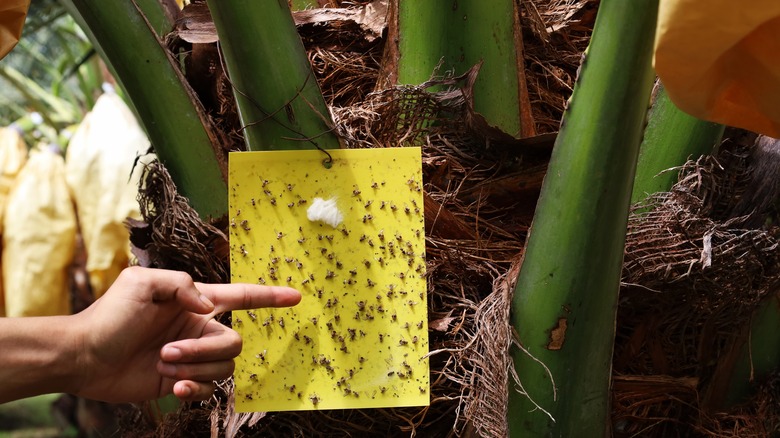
pixel 325 211
pixel 327 163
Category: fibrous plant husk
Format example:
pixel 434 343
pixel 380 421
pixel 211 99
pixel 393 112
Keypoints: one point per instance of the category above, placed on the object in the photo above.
pixel 172 235
pixel 695 270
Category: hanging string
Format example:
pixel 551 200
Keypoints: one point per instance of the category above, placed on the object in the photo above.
pixel 327 162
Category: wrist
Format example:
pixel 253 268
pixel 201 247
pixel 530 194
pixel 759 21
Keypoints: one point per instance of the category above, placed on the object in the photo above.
pixel 40 356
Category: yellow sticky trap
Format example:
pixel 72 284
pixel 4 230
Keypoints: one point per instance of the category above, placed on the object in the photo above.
pixel 359 337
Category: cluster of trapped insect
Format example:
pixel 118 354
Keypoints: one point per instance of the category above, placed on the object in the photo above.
pixel 359 337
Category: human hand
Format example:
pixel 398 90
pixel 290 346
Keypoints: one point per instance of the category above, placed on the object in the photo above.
pixel 153 334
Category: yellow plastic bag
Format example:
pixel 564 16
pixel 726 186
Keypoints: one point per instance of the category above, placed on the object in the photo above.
pixel 13 155
pixel 720 60
pixel 99 163
pixel 38 239
pixel 12 15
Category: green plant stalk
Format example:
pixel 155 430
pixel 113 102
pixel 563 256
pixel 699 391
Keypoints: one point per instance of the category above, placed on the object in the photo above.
pixel 279 100
pixel 759 354
pixel 671 138
pixel 565 301
pixel 166 108
pixel 301 5
pixel 460 34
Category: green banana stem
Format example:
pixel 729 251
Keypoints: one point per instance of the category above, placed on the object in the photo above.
pixel 455 36
pixel 564 305
pixel 279 100
pixel 166 107
pixel 671 138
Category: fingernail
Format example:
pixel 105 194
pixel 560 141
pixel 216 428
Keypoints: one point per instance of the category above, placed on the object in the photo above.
pixel 167 369
pixel 171 354
pixel 185 391
pixel 206 301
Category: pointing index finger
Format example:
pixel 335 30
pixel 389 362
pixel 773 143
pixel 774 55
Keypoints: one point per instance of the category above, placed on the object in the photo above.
pixel 238 296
